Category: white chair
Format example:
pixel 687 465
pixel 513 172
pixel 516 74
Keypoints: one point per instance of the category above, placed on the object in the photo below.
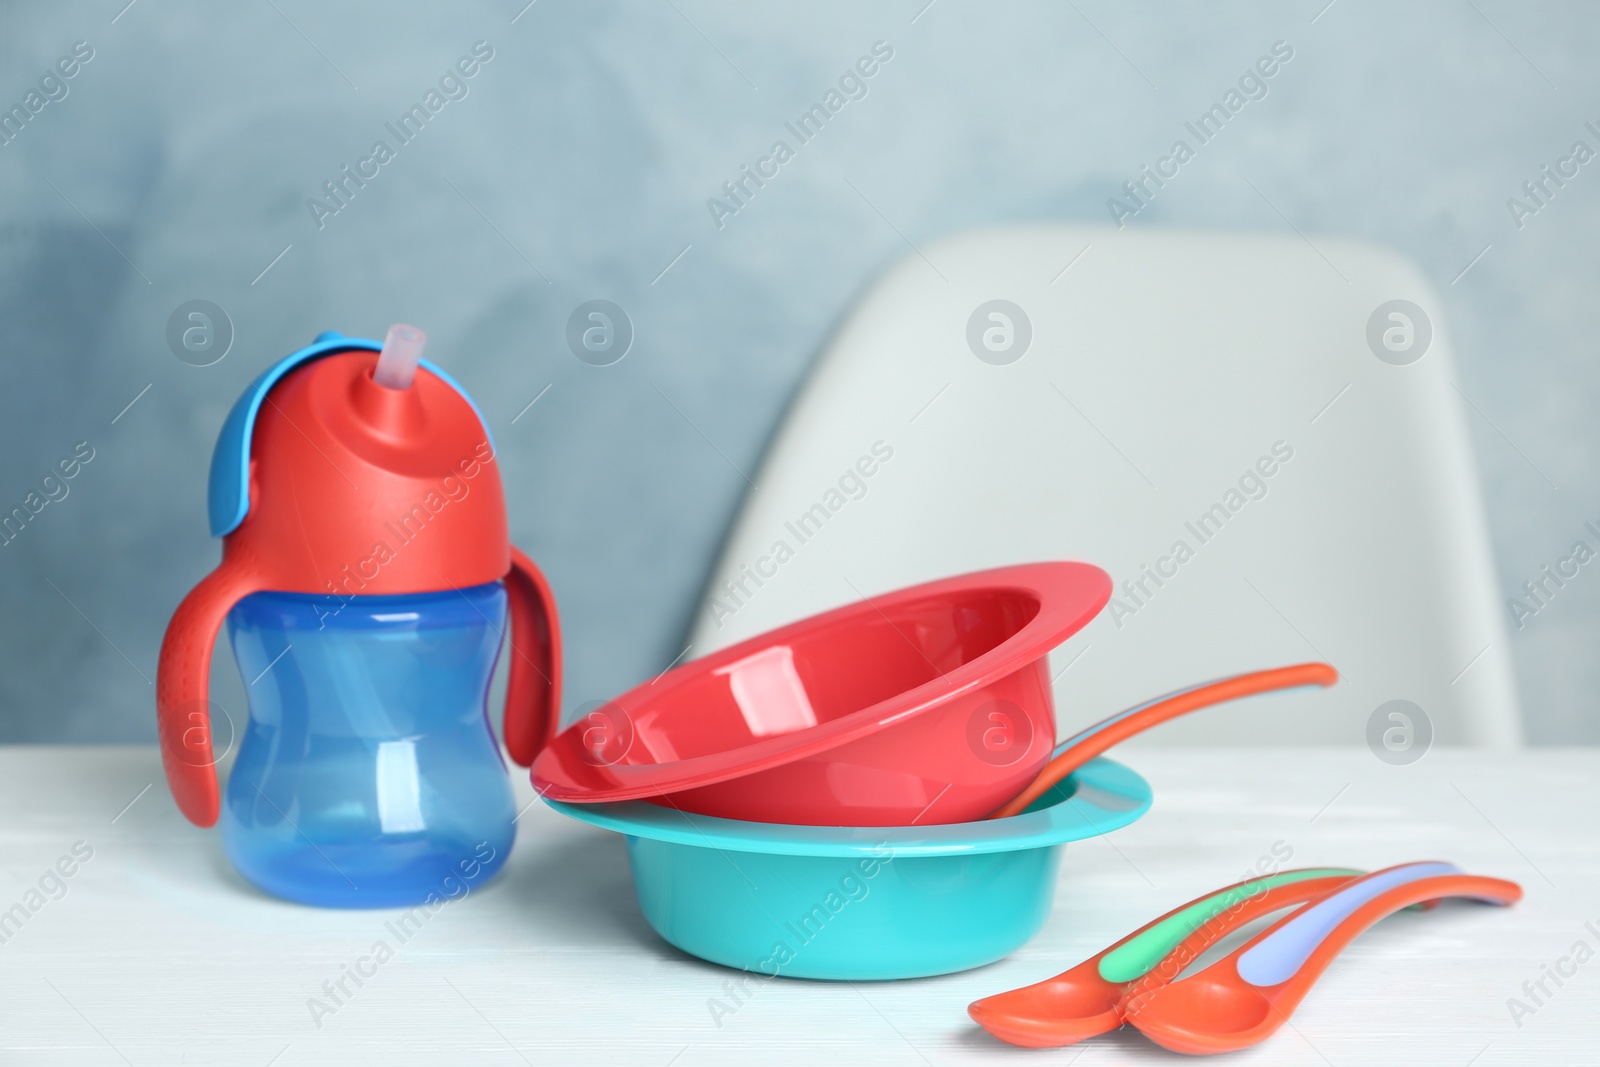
pixel 1256 399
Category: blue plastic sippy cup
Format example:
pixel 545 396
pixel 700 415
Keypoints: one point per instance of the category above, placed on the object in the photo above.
pixel 367 581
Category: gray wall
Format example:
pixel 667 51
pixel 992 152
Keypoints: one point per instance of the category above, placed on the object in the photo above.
pixel 180 161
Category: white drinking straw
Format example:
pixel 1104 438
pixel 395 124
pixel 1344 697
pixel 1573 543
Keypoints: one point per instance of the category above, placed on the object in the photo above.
pixel 402 350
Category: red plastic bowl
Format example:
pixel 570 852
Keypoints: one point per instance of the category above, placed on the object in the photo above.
pixel 928 705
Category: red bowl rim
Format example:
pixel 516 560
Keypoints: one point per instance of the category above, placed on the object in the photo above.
pixel 1070 595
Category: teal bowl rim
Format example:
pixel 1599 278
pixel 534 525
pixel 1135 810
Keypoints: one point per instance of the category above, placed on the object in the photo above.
pixel 1098 797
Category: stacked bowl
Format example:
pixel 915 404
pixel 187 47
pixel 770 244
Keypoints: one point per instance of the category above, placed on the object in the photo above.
pixel 813 802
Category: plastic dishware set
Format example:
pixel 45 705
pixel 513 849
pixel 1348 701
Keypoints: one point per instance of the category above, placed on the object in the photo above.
pixel 874 792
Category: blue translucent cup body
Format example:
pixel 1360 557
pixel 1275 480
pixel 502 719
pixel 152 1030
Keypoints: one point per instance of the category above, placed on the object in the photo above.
pixel 368 775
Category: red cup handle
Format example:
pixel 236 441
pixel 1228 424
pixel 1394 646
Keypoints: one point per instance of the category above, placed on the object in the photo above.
pixel 183 685
pixel 533 691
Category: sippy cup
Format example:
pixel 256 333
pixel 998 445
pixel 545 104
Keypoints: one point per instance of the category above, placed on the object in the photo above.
pixel 367 580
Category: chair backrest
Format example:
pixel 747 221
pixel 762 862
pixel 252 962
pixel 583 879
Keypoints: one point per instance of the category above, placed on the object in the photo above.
pixel 1260 437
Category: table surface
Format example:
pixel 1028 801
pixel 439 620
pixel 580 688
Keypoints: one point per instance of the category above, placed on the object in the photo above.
pixel 158 953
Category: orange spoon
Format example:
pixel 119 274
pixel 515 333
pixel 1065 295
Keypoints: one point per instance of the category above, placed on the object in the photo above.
pixel 1090 998
pixel 1243 998
pixel 1082 747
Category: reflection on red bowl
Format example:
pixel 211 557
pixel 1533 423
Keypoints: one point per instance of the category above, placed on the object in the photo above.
pixel 927 705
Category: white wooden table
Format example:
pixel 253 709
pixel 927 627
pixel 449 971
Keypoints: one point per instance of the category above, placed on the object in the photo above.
pixel 156 953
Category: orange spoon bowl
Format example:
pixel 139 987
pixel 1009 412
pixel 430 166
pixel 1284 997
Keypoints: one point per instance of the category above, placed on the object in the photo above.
pixel 1063 1010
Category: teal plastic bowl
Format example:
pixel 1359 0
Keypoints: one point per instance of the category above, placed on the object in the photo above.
pixel 860 903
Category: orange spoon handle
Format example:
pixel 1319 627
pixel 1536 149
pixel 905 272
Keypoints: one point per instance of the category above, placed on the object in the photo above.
pixel 1227 1007
pixel 1123 725
pixel 1246 911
